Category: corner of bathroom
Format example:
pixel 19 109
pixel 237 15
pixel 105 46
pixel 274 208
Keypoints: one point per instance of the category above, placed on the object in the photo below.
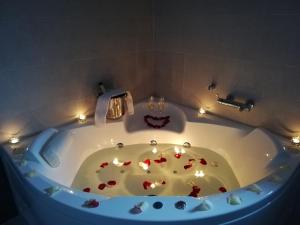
pixel 147 111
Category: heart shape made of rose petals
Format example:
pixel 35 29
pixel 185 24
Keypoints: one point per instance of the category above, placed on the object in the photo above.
pixel 156 122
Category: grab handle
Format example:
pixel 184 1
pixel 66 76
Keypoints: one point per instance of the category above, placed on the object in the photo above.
pixel 241 106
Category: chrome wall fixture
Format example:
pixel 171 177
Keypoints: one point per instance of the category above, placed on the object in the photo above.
pixel 241 106
pixel 230 101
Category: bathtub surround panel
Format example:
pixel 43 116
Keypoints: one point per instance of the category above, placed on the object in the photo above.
pixel 250 49
pixel 55 52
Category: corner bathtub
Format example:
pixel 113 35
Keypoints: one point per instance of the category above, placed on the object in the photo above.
pixel 264 168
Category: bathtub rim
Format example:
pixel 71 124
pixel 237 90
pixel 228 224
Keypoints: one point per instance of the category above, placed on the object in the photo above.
pixel 40 182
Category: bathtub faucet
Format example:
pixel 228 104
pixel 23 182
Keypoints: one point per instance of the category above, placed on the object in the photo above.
pixel 229 101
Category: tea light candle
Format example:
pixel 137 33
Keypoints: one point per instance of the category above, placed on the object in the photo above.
pixel 14 140
pixel 201 111
pixel 81 118
pixel 154 150
pixel 199 173
pixel 296 140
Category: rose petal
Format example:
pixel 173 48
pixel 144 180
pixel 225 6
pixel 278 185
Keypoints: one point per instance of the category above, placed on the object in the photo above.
pixel 193 194
pixel 222 189
pixel 102 186
pixel 196 189
pixel 203 161
pixel 127 163
pixel 177 155
pixel 162 159
pixel 146 184
pixel 159 122
pixel 112 182
pixel 87 189
pixel 104 164
pixel 93 203
pixel 187 166
pixel 147 161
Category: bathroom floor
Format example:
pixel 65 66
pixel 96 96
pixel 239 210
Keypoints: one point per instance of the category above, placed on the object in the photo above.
pixel 162 169
pixel 18 220
pixel 7 206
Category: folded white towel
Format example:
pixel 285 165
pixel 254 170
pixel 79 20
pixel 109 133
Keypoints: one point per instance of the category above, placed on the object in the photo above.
pixel 129 103
pixel 57 148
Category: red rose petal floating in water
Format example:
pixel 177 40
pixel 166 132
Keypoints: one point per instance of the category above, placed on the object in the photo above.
pixel 177 156
pixel 161 160
pixel 127 163
pixel 146 184
pixel 102 186
pixel 193 194
pixel 104 164
pixel 222 189
pixel 187 166
pixel 195 191
pixel 147 161
pixel 203 161
pixel 87 189
pixel 112 182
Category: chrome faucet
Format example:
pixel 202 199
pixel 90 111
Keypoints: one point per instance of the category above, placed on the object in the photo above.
pixel 229 101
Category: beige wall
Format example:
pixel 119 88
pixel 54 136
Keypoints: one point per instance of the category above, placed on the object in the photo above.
pixel 54 52
pixel 250 48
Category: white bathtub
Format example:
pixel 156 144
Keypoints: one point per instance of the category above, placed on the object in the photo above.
pixel 265 170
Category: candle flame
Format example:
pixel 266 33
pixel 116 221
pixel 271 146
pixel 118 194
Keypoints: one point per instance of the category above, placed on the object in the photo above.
pixel 296 140
pixel 199 173
pixel 201 111
pixel 14 140
pixel 154 150
pixel 144 165
pixel 117 162
pixel 179 151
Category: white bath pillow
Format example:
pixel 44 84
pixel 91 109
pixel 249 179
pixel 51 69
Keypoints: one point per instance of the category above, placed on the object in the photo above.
pixel 53 149
pixel 33 152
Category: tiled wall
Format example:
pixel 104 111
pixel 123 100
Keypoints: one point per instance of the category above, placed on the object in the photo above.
pixel 250 48
pixel 54 52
